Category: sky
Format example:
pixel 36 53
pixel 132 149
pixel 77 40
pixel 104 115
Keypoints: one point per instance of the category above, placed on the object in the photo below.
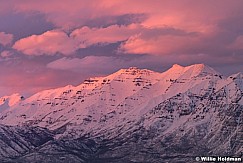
pixel 52 43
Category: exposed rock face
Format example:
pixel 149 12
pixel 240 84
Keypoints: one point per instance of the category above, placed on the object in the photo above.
pixel 17 141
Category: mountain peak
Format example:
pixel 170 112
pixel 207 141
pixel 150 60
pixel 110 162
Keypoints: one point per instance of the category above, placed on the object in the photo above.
pixel 12 99
pixel 238 75
pixel 190 71
pixel 204 68
pixel 133 68
pixel 201 65
pixel 134 71
pixel 177 66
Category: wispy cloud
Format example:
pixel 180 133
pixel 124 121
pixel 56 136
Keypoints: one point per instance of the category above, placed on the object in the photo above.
pixel 5 38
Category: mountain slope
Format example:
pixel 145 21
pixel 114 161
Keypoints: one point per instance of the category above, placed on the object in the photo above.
pixel 137 115
pixel 9 101
pixel 17 141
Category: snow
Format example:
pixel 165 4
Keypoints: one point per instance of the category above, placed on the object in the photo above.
pixel 9 101
pixel 125 97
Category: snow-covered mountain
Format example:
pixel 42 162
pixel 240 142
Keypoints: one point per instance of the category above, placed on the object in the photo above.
pixel 136 115
pixel 8 101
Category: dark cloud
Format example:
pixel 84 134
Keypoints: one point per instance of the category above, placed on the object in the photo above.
pixel 99 50
pixel 105 21
pixel 22 25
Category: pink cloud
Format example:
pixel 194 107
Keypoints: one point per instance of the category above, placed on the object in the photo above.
pixel 5 38
pixel 187 31
pixel 6 54
pixel 49 43
pixel 89 36
pixel 67 15
pixel 158 44
pixel 57 41
pixel 137 40
pixel 89 64
pixel 188 14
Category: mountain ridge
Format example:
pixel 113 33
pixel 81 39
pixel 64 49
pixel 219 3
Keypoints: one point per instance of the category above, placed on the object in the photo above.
pixel 120 86
pixel 140 109
pixel 121 71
